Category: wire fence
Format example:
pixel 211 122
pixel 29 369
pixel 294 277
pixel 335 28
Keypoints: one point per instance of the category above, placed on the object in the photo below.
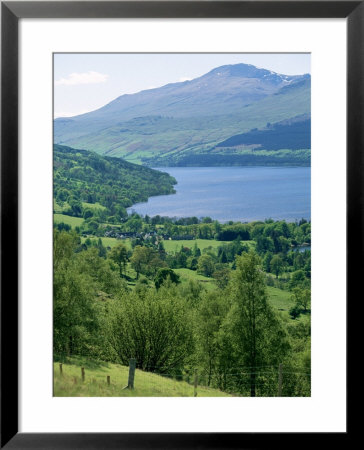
pixel 265 381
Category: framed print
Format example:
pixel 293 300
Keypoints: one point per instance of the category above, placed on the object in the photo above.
pixel 160 165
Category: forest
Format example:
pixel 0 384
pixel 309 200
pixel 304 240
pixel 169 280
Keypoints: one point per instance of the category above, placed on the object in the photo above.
pixel 83 176
pixel 233 156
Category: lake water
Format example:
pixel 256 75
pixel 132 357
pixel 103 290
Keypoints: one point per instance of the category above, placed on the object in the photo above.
pixel 235 193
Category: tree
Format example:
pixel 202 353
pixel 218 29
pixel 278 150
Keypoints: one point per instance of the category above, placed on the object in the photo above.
pixel 135 224
pixel 276 265
pixel 206 265
pixel 191 263
pixel 161 250
pixel 146 260
pixel 191 291
pixel 104 278
pixel 256 335
pixel 64 244
pixel 196 252
pixel 267 260
pixel 87 213
pixel 76 207
pixel 75 318
pixel 101 248
pixel 181 259
pixel 92 226
pixel 222 277
pixel 264 244
pixel 295 312
pixel 211 312
pixel 298 279
pixel 119 254
pixel 302 298
pixel 163 274
pixel 154 329
pixel 223 257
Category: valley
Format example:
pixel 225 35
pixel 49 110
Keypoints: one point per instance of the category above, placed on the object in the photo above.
pixel 192 279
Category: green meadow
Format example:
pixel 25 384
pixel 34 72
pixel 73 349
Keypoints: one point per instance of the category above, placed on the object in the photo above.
pixel 68 220
pixel 174 245
pixel 146 384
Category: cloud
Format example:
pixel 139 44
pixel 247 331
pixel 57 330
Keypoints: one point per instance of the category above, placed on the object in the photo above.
pixel 74 79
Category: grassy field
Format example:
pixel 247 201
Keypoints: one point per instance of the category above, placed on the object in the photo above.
pixel 110 242
pixel 169 245
pixel 278 298
pixel 174 246
pixel 187 274
pixel 59 209
pixel 146 384
pixel 281 301
pixel 93 205
pixel 69 220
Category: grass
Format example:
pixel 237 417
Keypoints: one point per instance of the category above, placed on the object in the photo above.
pixel 278 298
pixel 93 206
pixel 110 242
pixel 58 208
pixel 281 300
pixel 146 384
pixel 192 274
pixel 69 220
pixel 174 246
pixel 187 274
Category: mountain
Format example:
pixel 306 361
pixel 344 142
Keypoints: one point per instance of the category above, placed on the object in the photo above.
pixel 188 118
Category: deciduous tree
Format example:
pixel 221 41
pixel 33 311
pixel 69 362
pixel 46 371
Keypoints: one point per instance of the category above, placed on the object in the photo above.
pixel 119 254
pixel 257 337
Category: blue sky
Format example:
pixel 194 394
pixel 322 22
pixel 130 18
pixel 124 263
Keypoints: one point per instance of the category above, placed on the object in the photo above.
pixel 85 82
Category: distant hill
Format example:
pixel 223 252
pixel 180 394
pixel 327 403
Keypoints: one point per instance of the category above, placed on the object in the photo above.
pixel 188 118
pixel 81 177
pixel 293 134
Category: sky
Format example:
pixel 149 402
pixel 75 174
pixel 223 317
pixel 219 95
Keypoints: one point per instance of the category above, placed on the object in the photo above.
pixel 85 82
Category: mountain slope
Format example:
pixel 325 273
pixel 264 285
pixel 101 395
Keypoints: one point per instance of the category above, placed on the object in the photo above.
pixel 115 184
pixel 293 134
pixel 192 116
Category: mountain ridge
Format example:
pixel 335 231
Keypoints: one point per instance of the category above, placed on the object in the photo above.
pixel 193 115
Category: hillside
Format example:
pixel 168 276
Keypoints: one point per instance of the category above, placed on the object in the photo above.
pixel 83 177
pixel 188 118
pixel 147 384
pixel 293 134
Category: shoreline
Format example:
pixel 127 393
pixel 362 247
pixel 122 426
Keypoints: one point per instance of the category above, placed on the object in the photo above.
pixel 233 193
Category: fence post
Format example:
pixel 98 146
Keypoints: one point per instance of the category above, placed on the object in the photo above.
pixel 280 373
pixel 61 369
pixel 132 364
pixel 195 384
pixel 108 380
pixel 83 373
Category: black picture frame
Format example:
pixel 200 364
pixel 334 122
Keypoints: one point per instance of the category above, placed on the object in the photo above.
pixel 11 12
